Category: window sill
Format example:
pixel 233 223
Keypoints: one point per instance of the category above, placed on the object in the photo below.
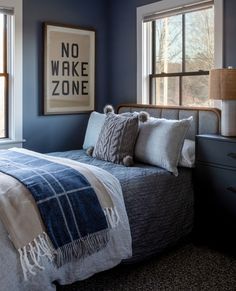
pixel 9 143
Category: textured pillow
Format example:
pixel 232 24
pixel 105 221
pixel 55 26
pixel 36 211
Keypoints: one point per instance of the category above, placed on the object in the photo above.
pixel 187 157
pixel 143 116
pixel 160 142
pixel 95 123
pixel 117 138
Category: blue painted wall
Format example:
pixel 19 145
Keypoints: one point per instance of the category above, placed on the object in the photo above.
pixel 53 133
pixel 122 50
pixel 229 33
pixel 115 24
pixel 122 46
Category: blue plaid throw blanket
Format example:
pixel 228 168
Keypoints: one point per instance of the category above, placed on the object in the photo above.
pixel 69 207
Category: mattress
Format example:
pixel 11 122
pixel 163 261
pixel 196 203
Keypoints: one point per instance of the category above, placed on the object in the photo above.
pixel 159 205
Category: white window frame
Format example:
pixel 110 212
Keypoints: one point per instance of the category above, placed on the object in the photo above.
pixel 144 47
pixel 15 77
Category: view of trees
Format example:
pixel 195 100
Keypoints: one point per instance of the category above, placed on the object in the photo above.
pixel 184 44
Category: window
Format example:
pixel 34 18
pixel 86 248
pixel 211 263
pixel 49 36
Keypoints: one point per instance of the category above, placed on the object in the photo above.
pixel 177 46
pixel 10 73
pixel 3 76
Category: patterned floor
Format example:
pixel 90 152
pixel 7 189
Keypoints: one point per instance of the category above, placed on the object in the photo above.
pixel 188 267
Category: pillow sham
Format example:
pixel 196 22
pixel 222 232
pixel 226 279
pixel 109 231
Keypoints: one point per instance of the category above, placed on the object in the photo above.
pixel 117 139
pixel 95 123
pixel 160 141
pixel 187 157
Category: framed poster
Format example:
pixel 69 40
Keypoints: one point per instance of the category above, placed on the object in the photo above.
pixel 69 69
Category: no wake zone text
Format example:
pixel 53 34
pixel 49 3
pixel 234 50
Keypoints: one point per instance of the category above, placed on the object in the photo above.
pixel 66 68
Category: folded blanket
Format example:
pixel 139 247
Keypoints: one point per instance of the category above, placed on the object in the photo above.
pixel 71 221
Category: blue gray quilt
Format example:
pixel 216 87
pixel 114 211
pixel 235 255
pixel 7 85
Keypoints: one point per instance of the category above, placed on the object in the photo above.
pixel 159 205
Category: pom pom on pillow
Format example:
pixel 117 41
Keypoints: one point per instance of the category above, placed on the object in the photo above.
pixel 143 116
pixel 128 161
pixel 108 108
pixel 89 151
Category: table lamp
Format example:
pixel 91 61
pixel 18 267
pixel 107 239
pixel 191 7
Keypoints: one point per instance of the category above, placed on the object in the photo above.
pixel 223 87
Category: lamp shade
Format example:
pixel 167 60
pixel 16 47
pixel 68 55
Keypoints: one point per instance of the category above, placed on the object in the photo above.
pixel 223 87
pixel 222 84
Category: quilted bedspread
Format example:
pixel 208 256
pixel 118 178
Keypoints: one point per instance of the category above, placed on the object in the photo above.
pixel 159 205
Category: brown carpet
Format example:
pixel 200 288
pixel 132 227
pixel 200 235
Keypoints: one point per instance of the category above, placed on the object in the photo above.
pixel 187 267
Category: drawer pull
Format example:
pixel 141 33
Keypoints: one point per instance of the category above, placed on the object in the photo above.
pixel 232 155
pixel 232 189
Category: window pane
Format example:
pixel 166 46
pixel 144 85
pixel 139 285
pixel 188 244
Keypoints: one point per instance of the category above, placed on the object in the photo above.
pixel 169 44
pixel 200 40
pixel 166 91
pixel 2 108
pixel 1 43
pixel 195 91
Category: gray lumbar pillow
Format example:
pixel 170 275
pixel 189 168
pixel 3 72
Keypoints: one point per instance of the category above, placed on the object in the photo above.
pixel 160 142
pixel 117 139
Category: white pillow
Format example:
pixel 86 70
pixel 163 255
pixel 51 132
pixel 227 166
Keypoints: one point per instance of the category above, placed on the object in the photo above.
pixel 187 157
pixel 160 142
pixel 95 123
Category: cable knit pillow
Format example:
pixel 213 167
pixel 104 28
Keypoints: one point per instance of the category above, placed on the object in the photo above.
pixel 117 139
pixel 160 142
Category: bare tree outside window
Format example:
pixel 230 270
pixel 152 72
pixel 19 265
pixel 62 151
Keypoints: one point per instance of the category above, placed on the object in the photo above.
pixel 183 47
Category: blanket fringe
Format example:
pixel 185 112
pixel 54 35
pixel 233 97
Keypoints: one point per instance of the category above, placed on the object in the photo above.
pixel 31 254
pixel 91 243
pixel 82 247
pixel 41 246
pixel 112 216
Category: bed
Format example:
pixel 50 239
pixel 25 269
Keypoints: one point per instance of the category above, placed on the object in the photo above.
pixel 159 205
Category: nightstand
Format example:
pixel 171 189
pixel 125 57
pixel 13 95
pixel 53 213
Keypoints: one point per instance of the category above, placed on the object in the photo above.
pixel 215 190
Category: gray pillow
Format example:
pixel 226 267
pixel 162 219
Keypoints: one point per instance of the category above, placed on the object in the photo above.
pixel 187 157
pixel 117 138
pixel 160 142
pixel 95 123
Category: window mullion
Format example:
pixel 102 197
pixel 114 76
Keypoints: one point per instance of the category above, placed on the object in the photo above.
pixel 191 73
pixel 153 47
pixel 183 61
pixel 180 90
pixel 5 44
pixel 183 43
pixel 152 100
pixel 4 74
